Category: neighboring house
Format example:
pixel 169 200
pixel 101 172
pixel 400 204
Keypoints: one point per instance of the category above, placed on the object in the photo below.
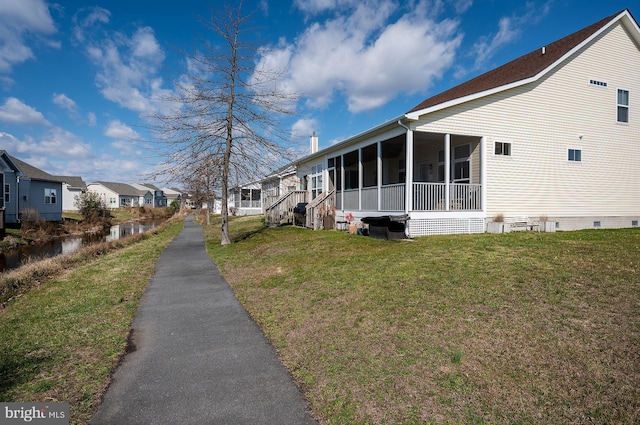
pixel 278 183
pixel 72 187
pixel 158 198
pixel 246 199
pixel 553 135
pixel 173 194
pixel 120 195
pixel 27 187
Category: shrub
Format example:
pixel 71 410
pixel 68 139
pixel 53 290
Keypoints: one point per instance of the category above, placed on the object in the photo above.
pixel 91 206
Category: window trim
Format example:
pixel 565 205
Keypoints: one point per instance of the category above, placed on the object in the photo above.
pixel 621 105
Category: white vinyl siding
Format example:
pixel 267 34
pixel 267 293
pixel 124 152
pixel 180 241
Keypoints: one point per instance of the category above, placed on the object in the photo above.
pixel 539 180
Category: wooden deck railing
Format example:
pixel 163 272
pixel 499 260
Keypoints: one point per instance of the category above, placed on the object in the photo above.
pixel 320 207
pixel 282 209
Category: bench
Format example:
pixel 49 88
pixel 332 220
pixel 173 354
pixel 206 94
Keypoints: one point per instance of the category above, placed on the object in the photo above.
pixel 521 223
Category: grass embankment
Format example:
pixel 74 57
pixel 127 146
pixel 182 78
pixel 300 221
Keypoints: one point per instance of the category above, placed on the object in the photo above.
pixel 63 335
pixel 516 328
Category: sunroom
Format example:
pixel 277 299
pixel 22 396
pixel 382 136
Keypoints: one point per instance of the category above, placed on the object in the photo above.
pixel 435 180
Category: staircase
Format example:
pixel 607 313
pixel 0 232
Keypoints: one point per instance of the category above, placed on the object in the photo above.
pixel 320 207
pixel 281 211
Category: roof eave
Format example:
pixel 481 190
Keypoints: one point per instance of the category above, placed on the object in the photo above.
pixel 624 17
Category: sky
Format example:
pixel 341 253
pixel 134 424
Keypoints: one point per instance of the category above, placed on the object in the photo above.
pixel 79 77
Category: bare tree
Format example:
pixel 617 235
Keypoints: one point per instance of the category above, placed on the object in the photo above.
pixel 226 113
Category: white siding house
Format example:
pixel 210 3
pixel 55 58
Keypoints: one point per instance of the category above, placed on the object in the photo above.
pixel 553 135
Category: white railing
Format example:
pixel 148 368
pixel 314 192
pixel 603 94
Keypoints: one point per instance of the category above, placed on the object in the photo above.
pixel 250 204
pixel 431 197
pixel 392 197
pixel 465 197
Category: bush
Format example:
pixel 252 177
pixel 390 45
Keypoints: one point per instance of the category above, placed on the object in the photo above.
pixel 91 206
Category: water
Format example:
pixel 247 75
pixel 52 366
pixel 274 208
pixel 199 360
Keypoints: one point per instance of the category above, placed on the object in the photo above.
pixel 14 258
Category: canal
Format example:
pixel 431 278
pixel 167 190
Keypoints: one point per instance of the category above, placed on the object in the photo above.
pixel 14 258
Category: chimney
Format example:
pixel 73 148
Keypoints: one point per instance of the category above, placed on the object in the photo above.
pixel 314 143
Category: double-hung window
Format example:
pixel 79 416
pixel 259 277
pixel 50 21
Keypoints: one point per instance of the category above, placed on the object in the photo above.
pixel 623 105
pixel 50 196
pixel 7 193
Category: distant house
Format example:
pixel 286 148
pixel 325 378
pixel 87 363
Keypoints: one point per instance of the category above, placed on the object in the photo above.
pixel 72 187
pixel 246 199
pixel 551 136
pixel 158 198
pixel 26 187
pixel 120 195
pixel 173 194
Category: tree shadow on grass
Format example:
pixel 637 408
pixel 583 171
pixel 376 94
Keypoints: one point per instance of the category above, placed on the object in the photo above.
pixel 17 369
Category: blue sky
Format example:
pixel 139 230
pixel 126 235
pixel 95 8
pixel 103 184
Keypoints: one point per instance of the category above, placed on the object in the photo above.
pixel 77 77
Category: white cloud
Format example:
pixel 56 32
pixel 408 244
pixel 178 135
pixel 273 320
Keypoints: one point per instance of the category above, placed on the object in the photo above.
pixel 127 66
pixel 510 28
pixel 91 118
pixel 118 130
pixel 15 112
pixel 63 101
pixel 304 128
pixel 58 143
pixel 18 21
pixel 370 52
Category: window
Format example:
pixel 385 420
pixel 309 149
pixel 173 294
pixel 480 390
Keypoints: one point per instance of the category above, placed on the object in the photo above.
pixel 316 180
pixel 461 163
pixel 623 105
pixel 50 196
pixel 7 193
pixel 575 155
pixel 502 148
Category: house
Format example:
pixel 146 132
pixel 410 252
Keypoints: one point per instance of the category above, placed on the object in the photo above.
pixel 26 187
pixel 173 194
pixel 246 199
pixel 120 195
pixel 158 199
pixel 553 135
pixel 72 187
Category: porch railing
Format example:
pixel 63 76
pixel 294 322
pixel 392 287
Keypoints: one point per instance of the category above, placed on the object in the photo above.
pixel 282 209
pixel 431 197
pixel 320 207
pixel 392 197
pixel 426 197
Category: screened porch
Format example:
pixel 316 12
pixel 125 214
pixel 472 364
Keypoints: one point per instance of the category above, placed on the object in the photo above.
pixel 443 173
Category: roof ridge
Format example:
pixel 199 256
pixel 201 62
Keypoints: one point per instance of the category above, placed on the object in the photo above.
pixel 521 68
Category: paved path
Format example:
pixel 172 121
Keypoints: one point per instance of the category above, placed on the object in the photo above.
pixel 199 358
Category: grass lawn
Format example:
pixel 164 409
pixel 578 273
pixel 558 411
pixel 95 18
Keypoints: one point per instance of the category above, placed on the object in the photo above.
pixel 515 328
pixel 62 339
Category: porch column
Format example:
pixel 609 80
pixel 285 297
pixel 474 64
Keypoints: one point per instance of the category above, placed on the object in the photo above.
pixel 408 169
pixel 483 173
pixel 360 179
pixel 447 170
pixel 342 181
pixel 379 174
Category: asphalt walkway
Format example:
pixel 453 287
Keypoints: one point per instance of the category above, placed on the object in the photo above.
pixel 199 358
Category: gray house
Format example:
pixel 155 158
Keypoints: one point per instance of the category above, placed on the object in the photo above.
pixel 27 187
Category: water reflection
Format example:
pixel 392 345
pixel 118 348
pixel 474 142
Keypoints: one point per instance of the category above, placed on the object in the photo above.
pixel 14 258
